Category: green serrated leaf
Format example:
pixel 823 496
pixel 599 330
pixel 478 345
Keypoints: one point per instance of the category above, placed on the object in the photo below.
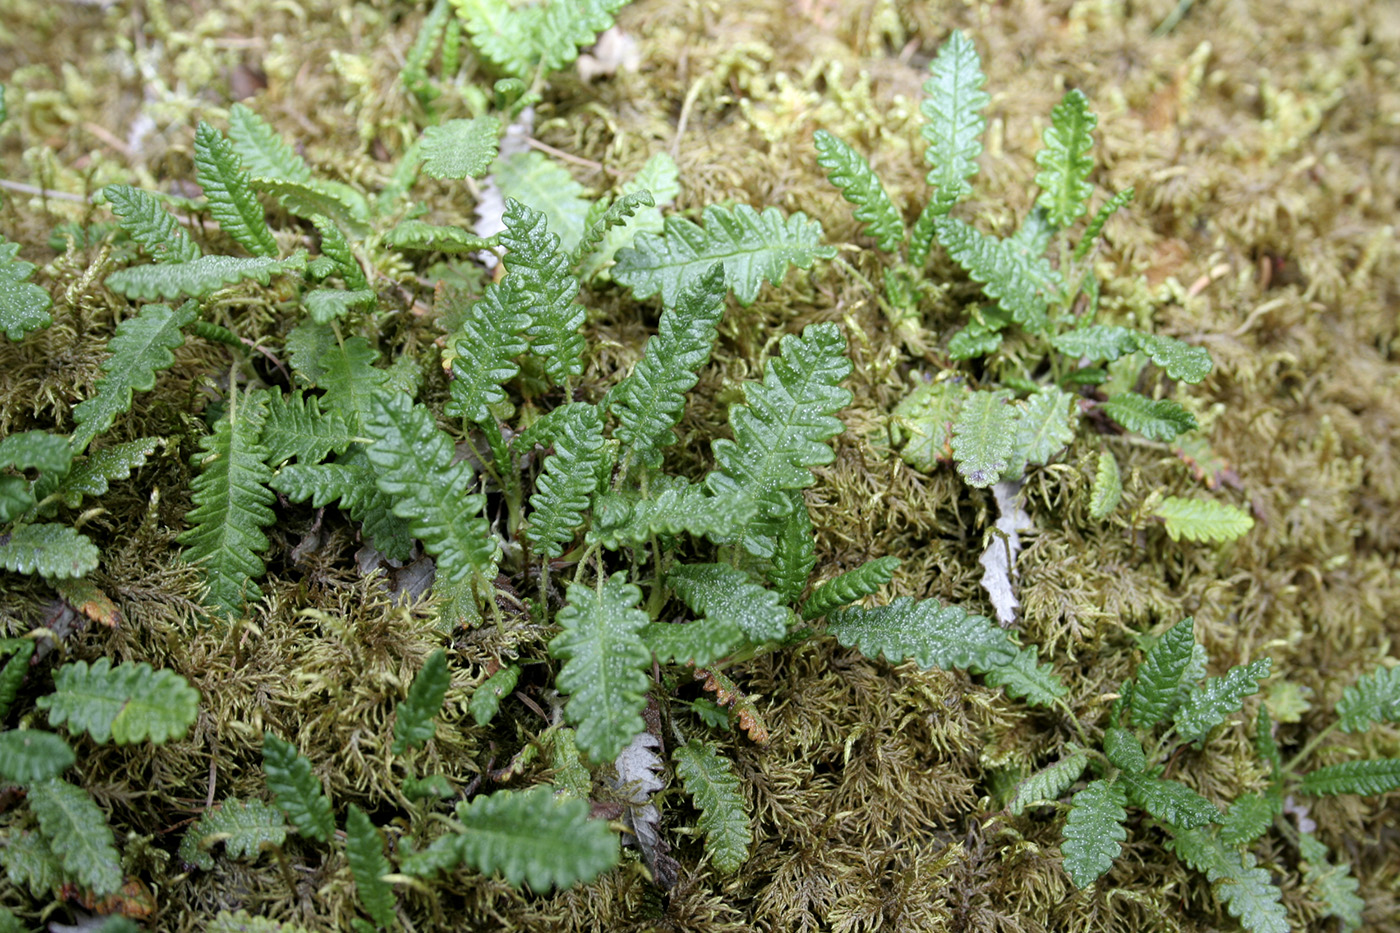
pixel 486 345
pixel 336 247
pixel 77 832
pixel 724 593
pixel 415 464
pixel 364 850
pixel 1020 282
pixel 675 506
pixel 29 862
pixel 1093 831
pixel 460 148
pixel 245 827
pixel 243 922
pixel 346 371
pixel 545 187
pixel 1333 885
pixel 613 217
pixel 331 304
pixel 1097 342
pixel 1375 697
pixel 90 477
pixel 1180 360
pixel 849 171
pixel 659 178
pixel 351 480
pixel 316 197
pixel 928 632
pixel 415 234
pixel 753 247
pixel 794 551
pixel 1206 707
pixel 1169 801
pixel 849 587
pixel 1107 489
pixel 1064 160
pixel 486 698
pixel 139 349
pixel 568 480
pixel 710 781
pixel 605 665
pixel 150 225
pixel 1161 675
pixel 1155 419
pixel 1246 891
pixel 1202 520
pixel 49 550
pixel 1374 776
pixel 953 108
pixel 296 790
pixel 1027 678
pixel 525 39
pixel 1046 426
pixel 29 755
pixel 1050 782
pixel 1124 750
pixel 533 836
pixel 36 450
pixel 297 427
pixel 1249 817
pixel 12 674
pixel 127 703
pixel 232 506
pixel 1095 228
pixel 922 424
pixel 200 277
pixel 230 196
pixel 414 720
pixel 541 283
pixel 984 436
pixel 263 152
pixel 697 643
pixel 16 497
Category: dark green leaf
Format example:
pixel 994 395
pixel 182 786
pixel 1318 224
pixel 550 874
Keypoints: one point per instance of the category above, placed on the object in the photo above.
pixel 414 719
pixel 127 703
pixel 929 633
pixel 296 790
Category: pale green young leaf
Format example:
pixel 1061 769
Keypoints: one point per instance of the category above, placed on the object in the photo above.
pixel 139 349
pixel 605 664
pixel 1093 831
pixel 245 827
pixel 1027 678
pixel 570 476
pixel 1248 817
pixel 1265 745
pixel 849 587
pixel 1202 520
pixel 1373 776
pixel 331 304
pixel 542 286
pixel 90 476
pixel 724 593
pixel 150 225
pixel 296 790
pixel 414 718
pixel 486 698
pixel 460 148
pixel 1180 360
pixel 1169 801
pixel 414 73
pixel 1375 697
pixel 200 277
pixel 697 643
pixel 1106 491
pixel 849 171
pixel 12 674
pixel 650 400
pixel 336 247
pixel 927 632
pixel 571 775
pixel 521 39
pixel 264 154
pixel 675 506
pixel 794 551
pixel 29 755
pixel 546 187
pixel 782 430
pixel 1155 419
pixel 232 505
pixel 243 922
pixel 127 703
pixel 1050 782
pixel 1097 342
pixel 952 107
pixel 1161 674
pixel 316 197
pixel 416 234
pixel 711 782
pixel 922 424
pixel 230 196
pixel 1208 706
pixel 1046 425
pixel 364 850
pixel 1064 160
pixel 77 832
pixel 1019 281
pixel 613 217
pixel 532 836
pixel 1123 749
pixel 1095 228
pixel 984 436
pixel 297 427
pixel 415 464
pixel 1246 891
pixel 660 179
pixel 49 550
pixel 1333 885
pixel 921 235
pixel 753 247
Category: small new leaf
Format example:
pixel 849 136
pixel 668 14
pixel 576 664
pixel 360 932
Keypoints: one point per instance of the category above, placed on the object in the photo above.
pixel 928 632
pixel 364 849
pixel 1155 419
pixel 1169 801
pixel 414 719
pixel 460 148
pixel 710 780
pixel 1027 678
pixel 1047 784
pixel 1095 228
pixel 569 479
pixel 1019 281
pixel 1123 749
pixel 486 698
pixel 296 790
pixel 849 171
pixel 1374 698
pixel 264 154
pixel 849 587
pixel 1202 520
pixel 1248 817
pixel 150 225
pixel 1107 489
pixel 231 199
pixel 1093 831
pixel 127 703
pixel 605 663
pixel 547 187
pixel 1064 160
pixel 984 436
pixel 77 832
pixel 1159 677
pixel 1207 707
pixel 91 476
pixel 1333 884
pixel 953 108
